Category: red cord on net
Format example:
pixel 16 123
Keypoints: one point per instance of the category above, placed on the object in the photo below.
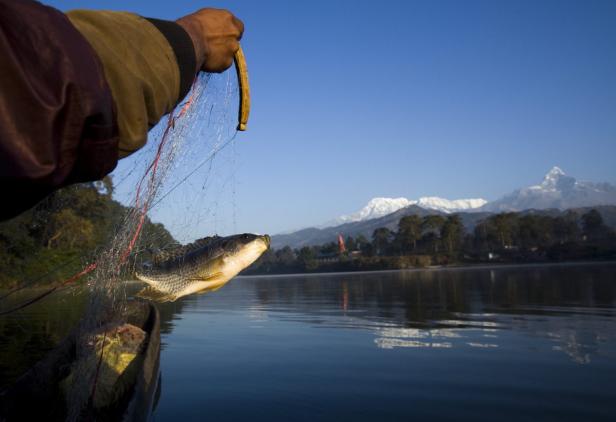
pixel 144 210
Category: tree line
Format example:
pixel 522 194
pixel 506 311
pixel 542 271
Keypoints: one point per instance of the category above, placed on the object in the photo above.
pixel 443 240
pixel 57 237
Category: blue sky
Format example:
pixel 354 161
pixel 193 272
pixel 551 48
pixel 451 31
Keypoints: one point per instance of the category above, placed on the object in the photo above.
pixel 357 99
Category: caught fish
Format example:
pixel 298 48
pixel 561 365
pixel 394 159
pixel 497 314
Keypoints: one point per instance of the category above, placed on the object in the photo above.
pixel 204 265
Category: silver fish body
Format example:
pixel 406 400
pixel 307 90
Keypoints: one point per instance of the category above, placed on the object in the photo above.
pixel 205 265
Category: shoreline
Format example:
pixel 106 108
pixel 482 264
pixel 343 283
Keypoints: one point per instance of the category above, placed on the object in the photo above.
pixel 458 267
pixel 441 268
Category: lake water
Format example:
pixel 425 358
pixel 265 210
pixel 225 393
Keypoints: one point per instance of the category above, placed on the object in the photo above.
pixel 509 343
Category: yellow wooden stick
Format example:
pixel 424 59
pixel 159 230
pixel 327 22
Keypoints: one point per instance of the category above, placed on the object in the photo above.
pixel 242 78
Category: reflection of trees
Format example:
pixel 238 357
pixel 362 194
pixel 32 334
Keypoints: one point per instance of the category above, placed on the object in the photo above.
pixel 169 312
pixel 463 298
pixel 26 336
pixel 416 298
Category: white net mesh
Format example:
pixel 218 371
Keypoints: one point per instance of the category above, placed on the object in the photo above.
pixel 173 178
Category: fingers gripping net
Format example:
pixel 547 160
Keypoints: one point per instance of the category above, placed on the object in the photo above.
pixel 173 179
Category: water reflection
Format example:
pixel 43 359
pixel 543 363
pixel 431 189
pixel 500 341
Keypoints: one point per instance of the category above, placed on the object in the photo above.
pixel 28 335
pixel 572 307
pixel 388 338
pixel 303 342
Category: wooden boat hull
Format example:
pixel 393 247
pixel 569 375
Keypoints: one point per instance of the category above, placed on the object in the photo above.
pixel 37 394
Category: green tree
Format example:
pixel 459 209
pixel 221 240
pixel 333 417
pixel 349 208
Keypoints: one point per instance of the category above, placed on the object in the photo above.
pixel 592 225
pixel 350 244
pixel 363 245
pixel 452 233
pixel 431 226
pixel 329 248
pixel 306 258
pixel 380 240
pixel 285 256
pixel 505 227
pixel 481 236
pixel 527 232
pixel 409 232
pixel 361 241
pixel 67 229
pixel 566 228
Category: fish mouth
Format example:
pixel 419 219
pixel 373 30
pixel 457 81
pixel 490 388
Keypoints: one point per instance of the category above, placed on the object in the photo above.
pixel 266 239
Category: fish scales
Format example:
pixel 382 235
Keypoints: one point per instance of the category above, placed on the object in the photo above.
pixel 204 265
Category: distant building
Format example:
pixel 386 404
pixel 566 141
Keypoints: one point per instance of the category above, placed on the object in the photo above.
pixel 327 257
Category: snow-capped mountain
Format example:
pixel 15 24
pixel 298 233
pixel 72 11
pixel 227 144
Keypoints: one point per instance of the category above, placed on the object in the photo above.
pixel 449 206
pixel 376 207
pixel 557 190
pixel 379 207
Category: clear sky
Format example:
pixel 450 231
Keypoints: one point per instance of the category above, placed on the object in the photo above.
pixel 357 99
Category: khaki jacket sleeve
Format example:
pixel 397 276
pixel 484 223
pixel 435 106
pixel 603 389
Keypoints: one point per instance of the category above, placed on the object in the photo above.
pixel 148 64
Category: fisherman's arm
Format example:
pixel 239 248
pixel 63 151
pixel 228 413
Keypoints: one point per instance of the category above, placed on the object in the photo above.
pixel 77 94
pixel 150 64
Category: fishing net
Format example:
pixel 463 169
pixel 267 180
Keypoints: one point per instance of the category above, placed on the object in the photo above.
pixel 184 176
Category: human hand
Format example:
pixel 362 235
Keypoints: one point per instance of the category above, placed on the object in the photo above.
pixel 215 34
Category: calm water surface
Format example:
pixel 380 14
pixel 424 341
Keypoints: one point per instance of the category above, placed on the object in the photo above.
pixel 521 343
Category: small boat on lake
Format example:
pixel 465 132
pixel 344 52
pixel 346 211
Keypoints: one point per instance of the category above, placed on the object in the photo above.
pixel 40 393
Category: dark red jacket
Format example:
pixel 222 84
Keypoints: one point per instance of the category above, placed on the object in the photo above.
pixel 58 123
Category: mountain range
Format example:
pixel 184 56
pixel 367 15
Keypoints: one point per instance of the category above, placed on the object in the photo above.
pixel 379 207
pixel 557 190
pixel 555 193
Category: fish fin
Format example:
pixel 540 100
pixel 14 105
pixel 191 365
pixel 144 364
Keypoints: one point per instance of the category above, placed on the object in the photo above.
pixel 210 277
pixel 210 289
pixel 156 295
pixel 146 280
pixel 177 251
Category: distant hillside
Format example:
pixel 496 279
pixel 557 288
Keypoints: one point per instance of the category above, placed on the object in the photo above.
pixel 315 236
pixel 62 233
pixel 531 236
